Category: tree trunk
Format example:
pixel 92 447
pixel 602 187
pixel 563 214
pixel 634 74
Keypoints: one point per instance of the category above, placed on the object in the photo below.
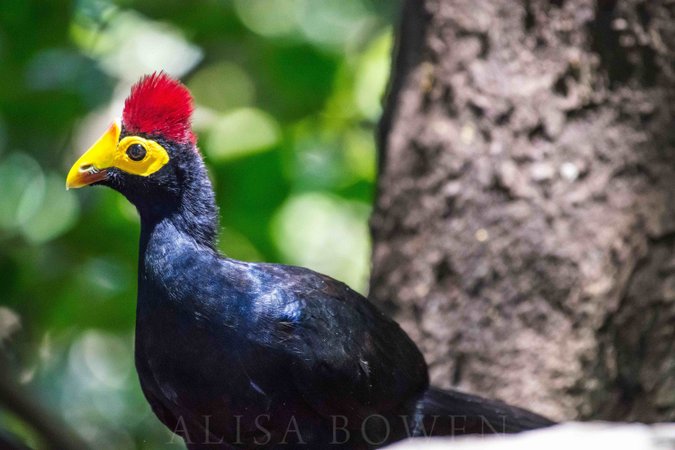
pixel 524 230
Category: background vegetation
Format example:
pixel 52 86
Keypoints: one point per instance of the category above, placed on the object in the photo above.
pixel 287 93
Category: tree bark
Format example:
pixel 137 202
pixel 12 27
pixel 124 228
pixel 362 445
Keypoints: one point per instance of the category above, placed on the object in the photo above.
pixel 524 228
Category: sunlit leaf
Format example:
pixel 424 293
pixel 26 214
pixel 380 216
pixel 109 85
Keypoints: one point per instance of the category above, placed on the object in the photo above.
pixel 271 18
pixel 57 214
pixel 98 357
pixel 360 154
pixel 132 46
pixel 371 76
pixel 333 23
pixel 242 132
pixel 222 87
pixel 22 184
pixel 327 234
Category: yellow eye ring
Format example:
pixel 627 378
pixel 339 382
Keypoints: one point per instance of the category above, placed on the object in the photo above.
pixel 154 158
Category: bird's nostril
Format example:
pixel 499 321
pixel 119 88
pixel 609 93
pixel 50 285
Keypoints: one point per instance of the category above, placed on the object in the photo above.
pixel 88 168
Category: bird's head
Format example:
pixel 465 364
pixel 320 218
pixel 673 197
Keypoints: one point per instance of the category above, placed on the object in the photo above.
pixel 150 152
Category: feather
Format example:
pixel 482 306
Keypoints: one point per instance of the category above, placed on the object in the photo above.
pixel 160 106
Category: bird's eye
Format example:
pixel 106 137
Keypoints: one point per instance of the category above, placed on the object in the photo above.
pixel 136 152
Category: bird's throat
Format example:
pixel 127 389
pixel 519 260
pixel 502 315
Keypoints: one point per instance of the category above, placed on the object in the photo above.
pixel 191 212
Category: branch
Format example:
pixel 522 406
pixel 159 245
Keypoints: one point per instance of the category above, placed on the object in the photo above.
pixel 53 430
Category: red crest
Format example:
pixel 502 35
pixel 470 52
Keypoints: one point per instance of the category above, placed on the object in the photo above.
pixel 159 105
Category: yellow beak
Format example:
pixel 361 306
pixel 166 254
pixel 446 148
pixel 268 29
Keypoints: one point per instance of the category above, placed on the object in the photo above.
pixel 93 165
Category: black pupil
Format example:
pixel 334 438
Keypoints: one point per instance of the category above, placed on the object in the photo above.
pixel 136 152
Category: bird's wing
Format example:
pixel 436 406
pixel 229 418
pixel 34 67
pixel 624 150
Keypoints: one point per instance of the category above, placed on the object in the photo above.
pixel 347 358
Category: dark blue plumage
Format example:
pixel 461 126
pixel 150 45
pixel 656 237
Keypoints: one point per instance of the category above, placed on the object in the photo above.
pixel 238 351
pixel 240 355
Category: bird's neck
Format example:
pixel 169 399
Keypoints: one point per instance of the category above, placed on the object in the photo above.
pixel 190 212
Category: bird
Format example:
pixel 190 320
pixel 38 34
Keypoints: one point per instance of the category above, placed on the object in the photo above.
pixel 233 354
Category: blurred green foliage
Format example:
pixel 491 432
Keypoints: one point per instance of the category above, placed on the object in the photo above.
pixel 288 93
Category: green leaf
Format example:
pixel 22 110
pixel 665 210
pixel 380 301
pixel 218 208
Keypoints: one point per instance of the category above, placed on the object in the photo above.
pixel 58 212
pixel 242 132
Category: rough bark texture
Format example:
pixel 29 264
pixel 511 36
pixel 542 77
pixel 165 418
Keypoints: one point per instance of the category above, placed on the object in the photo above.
pixel 524 231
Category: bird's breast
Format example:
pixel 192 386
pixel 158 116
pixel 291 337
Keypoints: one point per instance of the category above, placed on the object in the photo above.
pixel 208 369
